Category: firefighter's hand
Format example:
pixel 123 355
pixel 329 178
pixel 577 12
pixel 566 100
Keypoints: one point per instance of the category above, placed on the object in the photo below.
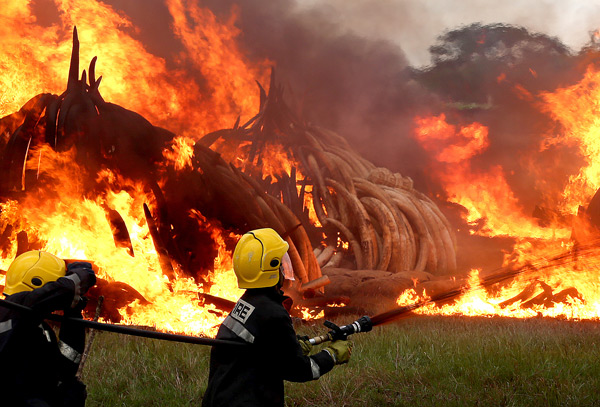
pixel 340 351
pixel 82 304
pixel 86 274
pixel 304 344
pixel 76 311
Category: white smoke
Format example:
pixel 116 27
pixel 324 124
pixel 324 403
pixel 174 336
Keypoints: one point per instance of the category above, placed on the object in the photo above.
pixel 414 25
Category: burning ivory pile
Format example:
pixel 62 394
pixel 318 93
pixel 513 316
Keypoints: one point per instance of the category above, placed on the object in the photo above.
pixel 344 218
pixel 387 223
pixel 370 223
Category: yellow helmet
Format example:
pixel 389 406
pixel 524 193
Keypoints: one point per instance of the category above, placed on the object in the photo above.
pixel 32 270
pixel 257 258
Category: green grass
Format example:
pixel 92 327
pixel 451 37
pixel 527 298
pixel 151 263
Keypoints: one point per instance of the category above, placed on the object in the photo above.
pixel 422 361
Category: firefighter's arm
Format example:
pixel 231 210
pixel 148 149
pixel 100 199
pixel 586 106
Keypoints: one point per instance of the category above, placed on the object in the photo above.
pixel 71 338
pixel 71 343
pixel 64 293
pixel 291 362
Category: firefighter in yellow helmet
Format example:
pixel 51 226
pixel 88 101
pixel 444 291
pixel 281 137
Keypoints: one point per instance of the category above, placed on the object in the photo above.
pixel 253 375
pixel 37 369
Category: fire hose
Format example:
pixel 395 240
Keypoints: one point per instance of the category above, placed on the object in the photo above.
pixel 366 324
pixel 121 329
pixel 363 324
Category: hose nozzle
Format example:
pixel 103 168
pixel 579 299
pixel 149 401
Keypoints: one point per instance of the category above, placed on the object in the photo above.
pixel 363 324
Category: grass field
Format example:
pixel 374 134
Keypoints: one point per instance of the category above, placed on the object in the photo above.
pixel 419 361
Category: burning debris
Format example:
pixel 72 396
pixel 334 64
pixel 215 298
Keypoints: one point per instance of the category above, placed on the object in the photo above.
pixel 356 215
pixel 386 222
pixel 159 212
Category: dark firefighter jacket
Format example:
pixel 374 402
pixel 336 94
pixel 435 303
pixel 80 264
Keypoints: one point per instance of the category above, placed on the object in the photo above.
pixel 35 365
pixel 253 375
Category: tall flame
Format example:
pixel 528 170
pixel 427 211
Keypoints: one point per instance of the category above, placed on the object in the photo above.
pixel 486 195
pixel 35 59
pixel 211 87
pixel 575 108
pixel 566 288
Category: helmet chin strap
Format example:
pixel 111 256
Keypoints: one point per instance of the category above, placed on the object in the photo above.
pixel 279 284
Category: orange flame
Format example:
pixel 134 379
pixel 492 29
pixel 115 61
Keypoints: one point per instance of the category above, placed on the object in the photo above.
pixel 566 302
pixel 72 224
pixel 575 109
pixel 72 227
pixel 566 288
pixel 35 59
pixel 486 195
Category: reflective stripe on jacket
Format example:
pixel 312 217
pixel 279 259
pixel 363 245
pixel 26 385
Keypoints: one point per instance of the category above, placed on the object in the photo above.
pixel 34 362
pixel 254 375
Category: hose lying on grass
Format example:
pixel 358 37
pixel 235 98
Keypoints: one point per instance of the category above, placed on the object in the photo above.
pixel 365 323
pixel 504 274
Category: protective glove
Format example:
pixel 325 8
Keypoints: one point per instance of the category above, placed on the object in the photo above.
pixel 304 344
pixel 76 311
pixel 86 274
pixel 340 351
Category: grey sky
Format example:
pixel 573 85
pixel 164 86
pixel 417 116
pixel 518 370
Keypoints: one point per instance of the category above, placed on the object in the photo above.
pixel 415 24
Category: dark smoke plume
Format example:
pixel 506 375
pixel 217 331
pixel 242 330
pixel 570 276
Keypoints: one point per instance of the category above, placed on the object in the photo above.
pixel 365 90
pixel 357 87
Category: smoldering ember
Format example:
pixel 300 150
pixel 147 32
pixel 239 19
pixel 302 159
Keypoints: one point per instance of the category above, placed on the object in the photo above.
pixel 504 170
